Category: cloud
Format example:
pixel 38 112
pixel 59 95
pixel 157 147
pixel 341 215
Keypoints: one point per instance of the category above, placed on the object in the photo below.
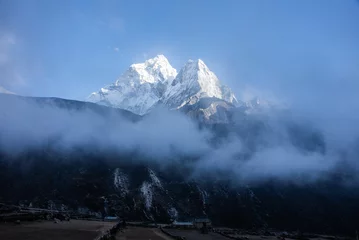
pixel 116 49
pixel 286 163
pixel 248 93
pixel 71 128
pixel 167 137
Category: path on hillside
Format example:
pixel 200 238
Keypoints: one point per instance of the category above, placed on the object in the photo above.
pixel 139 233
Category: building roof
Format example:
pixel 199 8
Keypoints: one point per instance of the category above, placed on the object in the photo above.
pixel 182 223
pixel 202 220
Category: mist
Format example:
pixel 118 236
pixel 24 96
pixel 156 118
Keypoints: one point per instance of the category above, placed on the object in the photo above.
pixel 26 124
pixel 168 137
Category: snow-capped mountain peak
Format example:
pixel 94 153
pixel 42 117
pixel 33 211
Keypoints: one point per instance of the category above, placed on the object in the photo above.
pixel 153 70
pixel 144 85
pixel 140 88
pixel 193 82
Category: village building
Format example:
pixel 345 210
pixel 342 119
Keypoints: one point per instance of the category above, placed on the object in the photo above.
pixel 178 224
pixel 199 223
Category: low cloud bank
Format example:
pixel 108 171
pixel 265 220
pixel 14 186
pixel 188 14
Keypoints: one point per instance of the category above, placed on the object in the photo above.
pixel 27 124
pixel 163 135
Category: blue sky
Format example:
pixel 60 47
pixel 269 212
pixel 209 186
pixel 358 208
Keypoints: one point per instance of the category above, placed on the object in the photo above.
pixel 306 51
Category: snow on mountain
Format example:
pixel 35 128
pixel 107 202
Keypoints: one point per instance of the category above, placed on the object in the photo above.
pixel 196 81
pixel 3 90
pixel 154 179
pixel 209 110
pixel 147 194
pixel 195 90
pixel 149 188
pixel 140 88
pixel 144 85
pixel 204 196
pixel 173 213
pixel 121 182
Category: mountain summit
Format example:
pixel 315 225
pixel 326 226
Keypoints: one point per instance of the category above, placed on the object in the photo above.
pixel 139 88
pixel 196 81
pixel 144 85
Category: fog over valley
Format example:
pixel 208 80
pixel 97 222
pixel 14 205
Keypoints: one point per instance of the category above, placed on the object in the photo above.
pixel 259 147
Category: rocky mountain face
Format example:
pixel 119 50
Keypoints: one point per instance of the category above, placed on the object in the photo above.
pixel 145 85
pixel 139 192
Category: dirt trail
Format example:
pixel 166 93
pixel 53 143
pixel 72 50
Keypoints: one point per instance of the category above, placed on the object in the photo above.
pixel 138 233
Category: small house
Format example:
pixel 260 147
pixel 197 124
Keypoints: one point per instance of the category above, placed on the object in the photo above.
pixel 200 223
pixel 111 218
pixel 177 224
